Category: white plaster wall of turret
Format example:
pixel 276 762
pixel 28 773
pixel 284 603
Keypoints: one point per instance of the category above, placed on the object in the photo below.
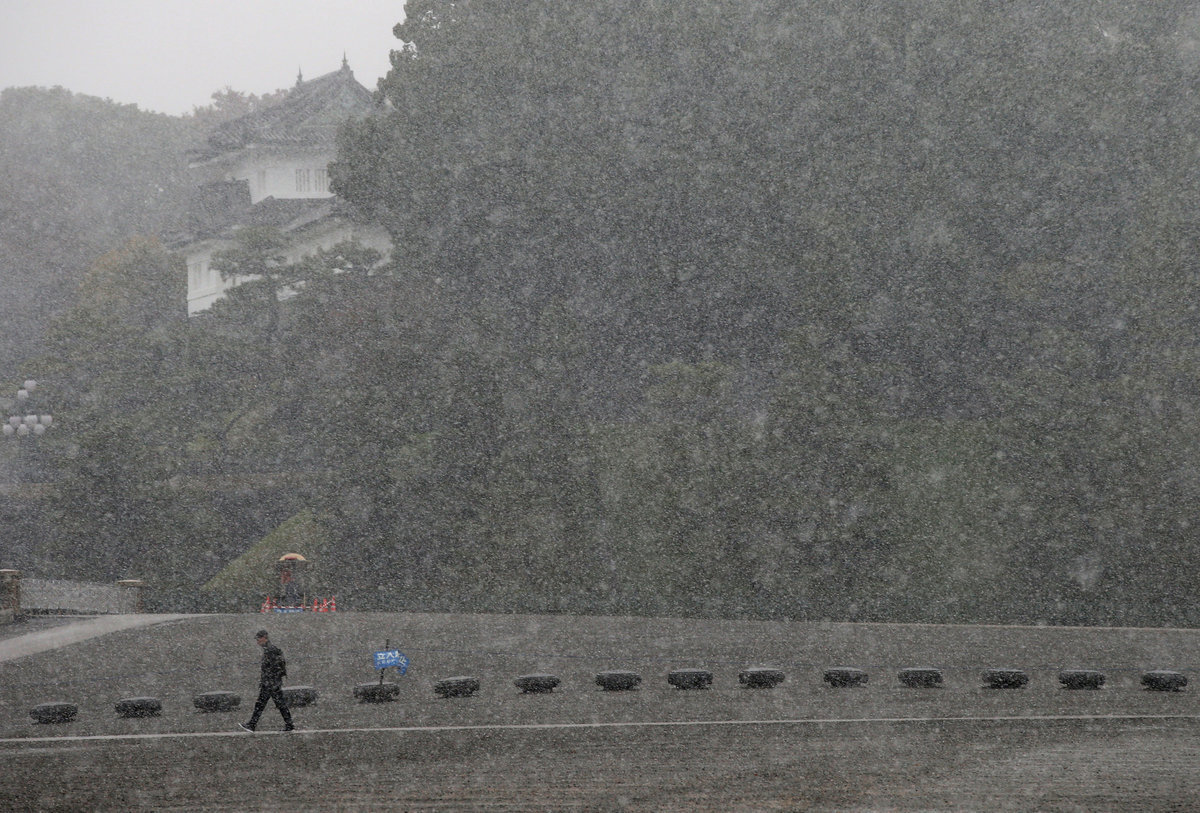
pixel 204 284
pixel 283 175
pixel 206 287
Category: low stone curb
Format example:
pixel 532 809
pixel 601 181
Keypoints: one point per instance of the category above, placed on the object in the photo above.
pixel 1081 678
pixel 617 680
pixel 921 677
pixel 216 701
pixel 376 692
pixel 760 677
pixel 536 684
pixel 842 677
pixel 1163 680
pixel 1005 678
pixel 54 712
pixel 689 679
pixel 139 707
pixel 299 696
pixel 461 686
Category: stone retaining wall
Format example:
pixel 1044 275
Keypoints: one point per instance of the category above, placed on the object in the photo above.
pixel 60 596
pixel 10 596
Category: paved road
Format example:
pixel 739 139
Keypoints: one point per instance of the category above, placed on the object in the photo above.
pixel 868 765
pixel 800 746
pixel 59 636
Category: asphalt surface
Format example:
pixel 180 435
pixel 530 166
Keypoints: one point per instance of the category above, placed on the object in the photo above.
pixel 800 745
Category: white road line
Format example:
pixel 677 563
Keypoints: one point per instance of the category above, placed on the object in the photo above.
pixel 183 735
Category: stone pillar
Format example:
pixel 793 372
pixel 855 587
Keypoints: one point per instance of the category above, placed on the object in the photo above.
pixel 131 595
pixel 10 596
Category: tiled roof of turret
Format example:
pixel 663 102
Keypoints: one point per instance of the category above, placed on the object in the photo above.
pixel 309 116
pixel 222 208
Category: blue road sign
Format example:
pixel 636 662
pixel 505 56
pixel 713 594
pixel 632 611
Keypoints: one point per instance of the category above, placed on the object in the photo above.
pixel 391 657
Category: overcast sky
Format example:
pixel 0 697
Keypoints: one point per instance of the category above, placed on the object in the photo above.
pixel 170 55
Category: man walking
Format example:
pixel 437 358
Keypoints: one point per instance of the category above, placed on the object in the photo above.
pixel 270 684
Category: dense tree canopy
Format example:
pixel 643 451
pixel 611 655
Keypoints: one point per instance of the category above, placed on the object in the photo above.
pixel 909 230
pixel 78 176
pixel 822 310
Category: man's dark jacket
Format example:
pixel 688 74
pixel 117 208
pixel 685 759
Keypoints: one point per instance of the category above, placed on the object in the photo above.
pixel 274 668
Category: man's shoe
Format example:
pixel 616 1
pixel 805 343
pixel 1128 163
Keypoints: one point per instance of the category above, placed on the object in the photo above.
pixel 288 728
pixel 245 727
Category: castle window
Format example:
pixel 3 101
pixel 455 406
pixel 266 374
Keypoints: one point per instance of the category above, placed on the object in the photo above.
pixel 321 181
pixel 303 180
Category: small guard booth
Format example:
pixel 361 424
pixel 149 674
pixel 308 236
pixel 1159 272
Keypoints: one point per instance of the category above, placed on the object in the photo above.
pixel 292 595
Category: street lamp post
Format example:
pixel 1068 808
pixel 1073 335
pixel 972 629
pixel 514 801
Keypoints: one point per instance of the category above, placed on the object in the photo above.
pixel 26 422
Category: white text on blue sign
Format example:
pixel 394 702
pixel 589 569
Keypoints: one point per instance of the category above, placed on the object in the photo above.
pixel 390 658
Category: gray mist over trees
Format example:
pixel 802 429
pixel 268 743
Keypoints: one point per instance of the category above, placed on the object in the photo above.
pixel 809 310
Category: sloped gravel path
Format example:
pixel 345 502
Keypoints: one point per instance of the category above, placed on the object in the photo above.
pixel 20 641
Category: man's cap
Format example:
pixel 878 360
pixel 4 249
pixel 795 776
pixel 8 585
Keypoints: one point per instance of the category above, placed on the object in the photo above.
pixel 261 634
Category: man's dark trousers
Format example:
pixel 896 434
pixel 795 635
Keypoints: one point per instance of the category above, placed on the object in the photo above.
pixel 267 692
